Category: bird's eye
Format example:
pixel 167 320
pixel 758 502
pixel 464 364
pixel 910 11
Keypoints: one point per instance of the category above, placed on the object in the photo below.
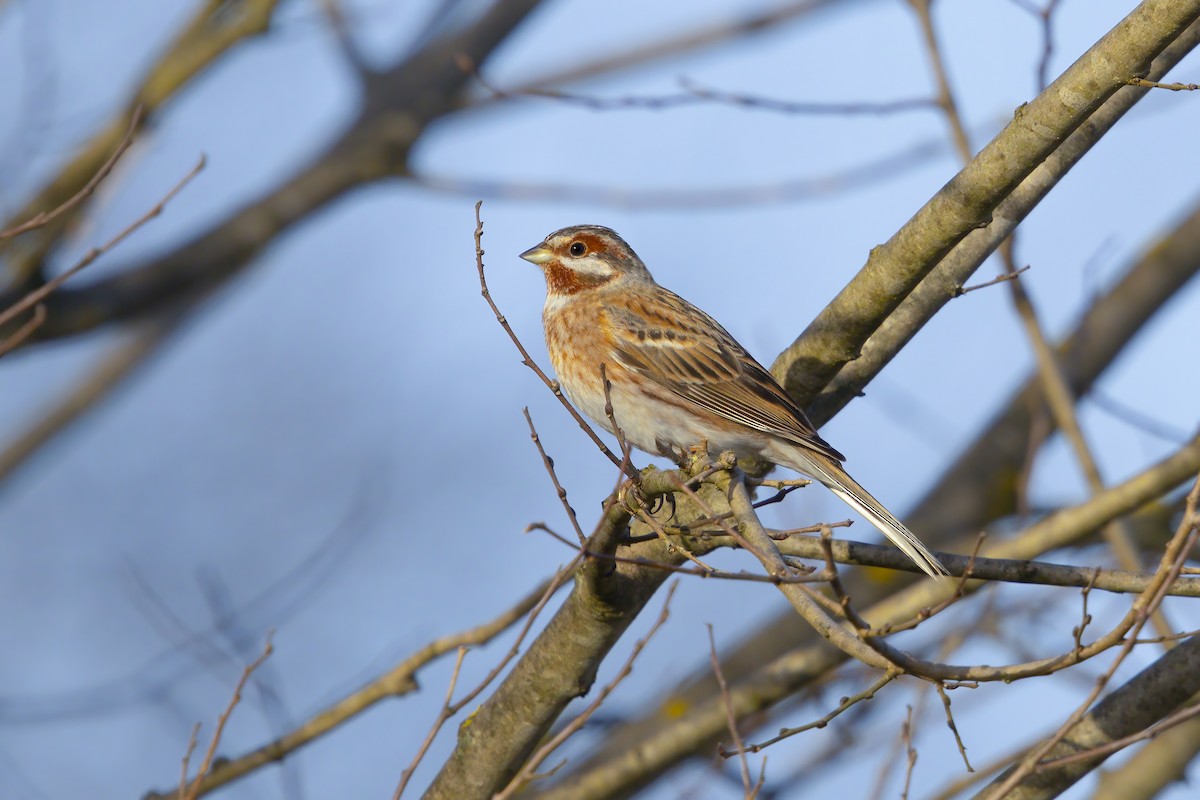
pixel 577 249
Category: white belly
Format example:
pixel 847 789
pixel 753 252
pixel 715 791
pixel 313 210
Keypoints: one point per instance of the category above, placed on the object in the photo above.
pixel 661 426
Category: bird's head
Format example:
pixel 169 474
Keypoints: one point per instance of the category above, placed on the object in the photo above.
pixel 585 257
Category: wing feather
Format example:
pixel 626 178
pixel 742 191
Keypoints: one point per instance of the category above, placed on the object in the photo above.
pixel 669 341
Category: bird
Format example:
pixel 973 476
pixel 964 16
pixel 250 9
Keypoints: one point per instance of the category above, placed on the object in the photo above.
pixel 677 379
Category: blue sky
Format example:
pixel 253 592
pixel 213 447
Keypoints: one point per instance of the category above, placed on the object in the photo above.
pixel 334 447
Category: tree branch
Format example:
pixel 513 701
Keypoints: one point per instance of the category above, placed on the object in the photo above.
pixel 968 201
pixel 638 761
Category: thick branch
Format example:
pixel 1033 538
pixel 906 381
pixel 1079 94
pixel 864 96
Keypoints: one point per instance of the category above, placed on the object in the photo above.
pixel 944 282
pixel 197 47
pixel 980 485
pixel 561 664
pixel 968 201
pixel 399 105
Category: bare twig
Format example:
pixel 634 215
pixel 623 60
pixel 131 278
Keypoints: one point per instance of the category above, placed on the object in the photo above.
pixel 1176 553
pixel 745 24
pixel 341 29
pixel 1085 617
pixel 528 361
pixel 187 757
pixel 962 748
pixel 558 487
pixel 45 217
pixel 400 680
pixel 1045 16
pixel 1174 87
pixel 1178 718
pixel 444 714
pixel 1136 418
pixel 212 31
pixel 1008 276
pixel 730 714
pixel 26 330
pixel 701 570
pixel 804 604
pixel 193 788
pixel 906 735
pixel 843 705
pixel 694 94
pixel 39 294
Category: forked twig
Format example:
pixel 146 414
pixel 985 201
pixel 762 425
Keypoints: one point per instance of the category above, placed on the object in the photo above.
pixel 444 714
pixel 190 791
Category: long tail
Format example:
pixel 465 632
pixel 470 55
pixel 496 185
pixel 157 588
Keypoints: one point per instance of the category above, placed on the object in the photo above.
pixel 854 495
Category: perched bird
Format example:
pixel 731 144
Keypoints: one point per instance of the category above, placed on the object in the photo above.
pixel 677 378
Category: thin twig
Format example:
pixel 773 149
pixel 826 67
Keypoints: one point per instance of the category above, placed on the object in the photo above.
pixel 558 487
pixel 444 714
pixel 701 570
pixel 46 217
pixel 25 331
pixel 398 681
pixel 845 704
pixel 695 94
pixel 1008 276
pixel 969 572
pixel 730 714
pixel 528 361
pixel 187 757
pixel 193 789
pixel 910 751
pixel 1136 418
pixel 1176 553
pixel 1166 723
pixel 1174 87
pixel 39 294
pixel 1045 16
pixel 962 748
pixel 336 16
pixel 1085 617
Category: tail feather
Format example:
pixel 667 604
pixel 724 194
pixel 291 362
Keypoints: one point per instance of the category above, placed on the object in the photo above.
pixel 838 481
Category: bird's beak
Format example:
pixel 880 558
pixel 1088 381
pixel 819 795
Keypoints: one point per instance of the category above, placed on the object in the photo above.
pixel 538 254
